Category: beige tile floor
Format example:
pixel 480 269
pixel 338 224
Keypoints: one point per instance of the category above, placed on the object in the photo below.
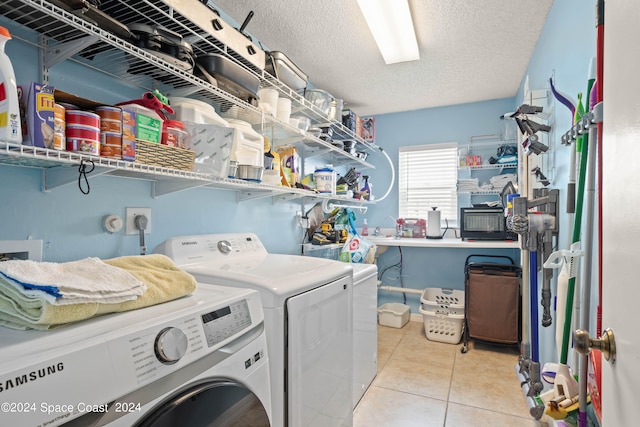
pixel 427 383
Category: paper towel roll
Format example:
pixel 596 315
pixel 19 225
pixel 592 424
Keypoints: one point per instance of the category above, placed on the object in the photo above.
pixel 433 224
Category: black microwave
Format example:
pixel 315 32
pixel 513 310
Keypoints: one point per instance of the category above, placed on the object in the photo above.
pixel 484 223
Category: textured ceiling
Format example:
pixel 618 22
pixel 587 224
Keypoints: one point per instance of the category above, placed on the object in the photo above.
pixel 469 50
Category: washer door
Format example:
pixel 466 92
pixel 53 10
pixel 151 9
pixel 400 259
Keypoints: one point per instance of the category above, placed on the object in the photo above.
pixel 213 403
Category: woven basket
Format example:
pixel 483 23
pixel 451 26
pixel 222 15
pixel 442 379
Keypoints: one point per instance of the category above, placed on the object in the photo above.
pixel 165 156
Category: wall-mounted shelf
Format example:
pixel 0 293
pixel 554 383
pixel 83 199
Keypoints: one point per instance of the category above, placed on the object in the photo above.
pixel 61 168
pixel 64 36
pixel 490 167
pixel 480 171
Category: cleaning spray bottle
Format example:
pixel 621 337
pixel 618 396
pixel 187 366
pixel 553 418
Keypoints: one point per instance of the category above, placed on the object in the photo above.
pixel 10 129
pixel 366 188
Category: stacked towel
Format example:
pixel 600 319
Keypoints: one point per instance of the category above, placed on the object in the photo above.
pixel 83 281
pixel 468 184
pixel 163 280
pixel 499 181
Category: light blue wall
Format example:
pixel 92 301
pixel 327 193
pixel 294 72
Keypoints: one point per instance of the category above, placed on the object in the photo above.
pixel 442 267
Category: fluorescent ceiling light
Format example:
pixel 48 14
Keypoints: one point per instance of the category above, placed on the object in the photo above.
pixel 392 28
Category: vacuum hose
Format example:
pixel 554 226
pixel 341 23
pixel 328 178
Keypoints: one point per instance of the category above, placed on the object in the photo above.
pixel 393 175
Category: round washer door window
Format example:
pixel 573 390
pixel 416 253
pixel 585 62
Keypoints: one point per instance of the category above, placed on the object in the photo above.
pixel 213 403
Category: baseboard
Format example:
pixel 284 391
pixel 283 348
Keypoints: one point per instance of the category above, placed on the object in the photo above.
pixel 416 317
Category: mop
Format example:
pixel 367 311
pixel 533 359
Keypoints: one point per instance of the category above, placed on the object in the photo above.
pixel 590 387
pixel 586 284
pixel 563 397
pixel 595 355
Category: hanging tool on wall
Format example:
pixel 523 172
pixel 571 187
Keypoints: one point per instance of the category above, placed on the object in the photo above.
pixel 536 220
pixel 529 128
pixel 563 398
pixel 540 176
pixel 595 356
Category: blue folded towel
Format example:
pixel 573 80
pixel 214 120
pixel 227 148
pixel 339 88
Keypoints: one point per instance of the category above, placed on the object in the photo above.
pixel 82 281
pixel 50 289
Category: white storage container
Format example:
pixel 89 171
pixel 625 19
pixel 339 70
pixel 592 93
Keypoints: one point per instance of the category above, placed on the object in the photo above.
pixel 212 145
pixel 248 145
pixel 325 179
pixel 443 300
pixel 393 314
pixel 196 111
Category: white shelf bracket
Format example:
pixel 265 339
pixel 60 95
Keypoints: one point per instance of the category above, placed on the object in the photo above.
pixel 58 176
pixel 253 194
pixel 61 52
pixel 285 197
pixel 160 188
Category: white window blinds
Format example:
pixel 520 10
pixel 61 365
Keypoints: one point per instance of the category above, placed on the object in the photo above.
pixel 428 178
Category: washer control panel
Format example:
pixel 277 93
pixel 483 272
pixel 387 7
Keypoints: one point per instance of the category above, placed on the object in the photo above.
pixel 225 321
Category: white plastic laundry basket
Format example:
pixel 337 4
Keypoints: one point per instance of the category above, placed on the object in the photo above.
pixel 442 327
pixel 443 300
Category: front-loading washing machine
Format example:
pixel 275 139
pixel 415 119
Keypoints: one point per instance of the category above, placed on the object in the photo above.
pixel 308 317
pixel 200 360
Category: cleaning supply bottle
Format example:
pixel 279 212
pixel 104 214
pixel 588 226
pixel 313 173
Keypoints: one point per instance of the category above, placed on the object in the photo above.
pixel 10 129
pixel 365 228
pixel 366 188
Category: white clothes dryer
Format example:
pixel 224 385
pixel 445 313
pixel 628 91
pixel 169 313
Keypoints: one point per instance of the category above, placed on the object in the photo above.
pixel 308 316
pixel 365 328
pixel 200 360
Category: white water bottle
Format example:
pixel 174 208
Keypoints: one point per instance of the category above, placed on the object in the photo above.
pixel 10 129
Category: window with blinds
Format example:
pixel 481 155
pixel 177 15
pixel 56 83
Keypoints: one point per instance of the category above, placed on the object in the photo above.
pixel 427 178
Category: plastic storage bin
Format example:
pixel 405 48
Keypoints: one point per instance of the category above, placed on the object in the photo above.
pixel 443 300
pixel 393 314
pixel 331 251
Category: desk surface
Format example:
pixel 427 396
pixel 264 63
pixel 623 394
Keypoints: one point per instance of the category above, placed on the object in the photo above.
pixel 443 243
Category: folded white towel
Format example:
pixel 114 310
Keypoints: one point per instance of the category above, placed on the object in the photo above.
pixel 83 281
pixel 164 281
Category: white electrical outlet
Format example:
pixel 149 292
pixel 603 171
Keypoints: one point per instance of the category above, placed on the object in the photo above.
pixel 130 226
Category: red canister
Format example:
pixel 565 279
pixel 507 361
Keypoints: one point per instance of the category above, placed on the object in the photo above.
pixel 84 145
pixel 173 134
pixel 79 131
pixel 83 118
pixel 85 139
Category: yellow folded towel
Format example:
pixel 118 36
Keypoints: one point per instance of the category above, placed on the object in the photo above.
pixel 165 282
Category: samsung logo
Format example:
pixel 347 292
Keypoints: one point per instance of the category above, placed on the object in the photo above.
pixel 191 242
pixel 28 377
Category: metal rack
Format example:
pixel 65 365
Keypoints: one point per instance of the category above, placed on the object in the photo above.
pixel 484 146
pixel 63 36
pixel 61 168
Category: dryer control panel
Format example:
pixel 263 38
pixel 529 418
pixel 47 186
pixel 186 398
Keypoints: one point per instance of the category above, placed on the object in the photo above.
pixel 211 248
